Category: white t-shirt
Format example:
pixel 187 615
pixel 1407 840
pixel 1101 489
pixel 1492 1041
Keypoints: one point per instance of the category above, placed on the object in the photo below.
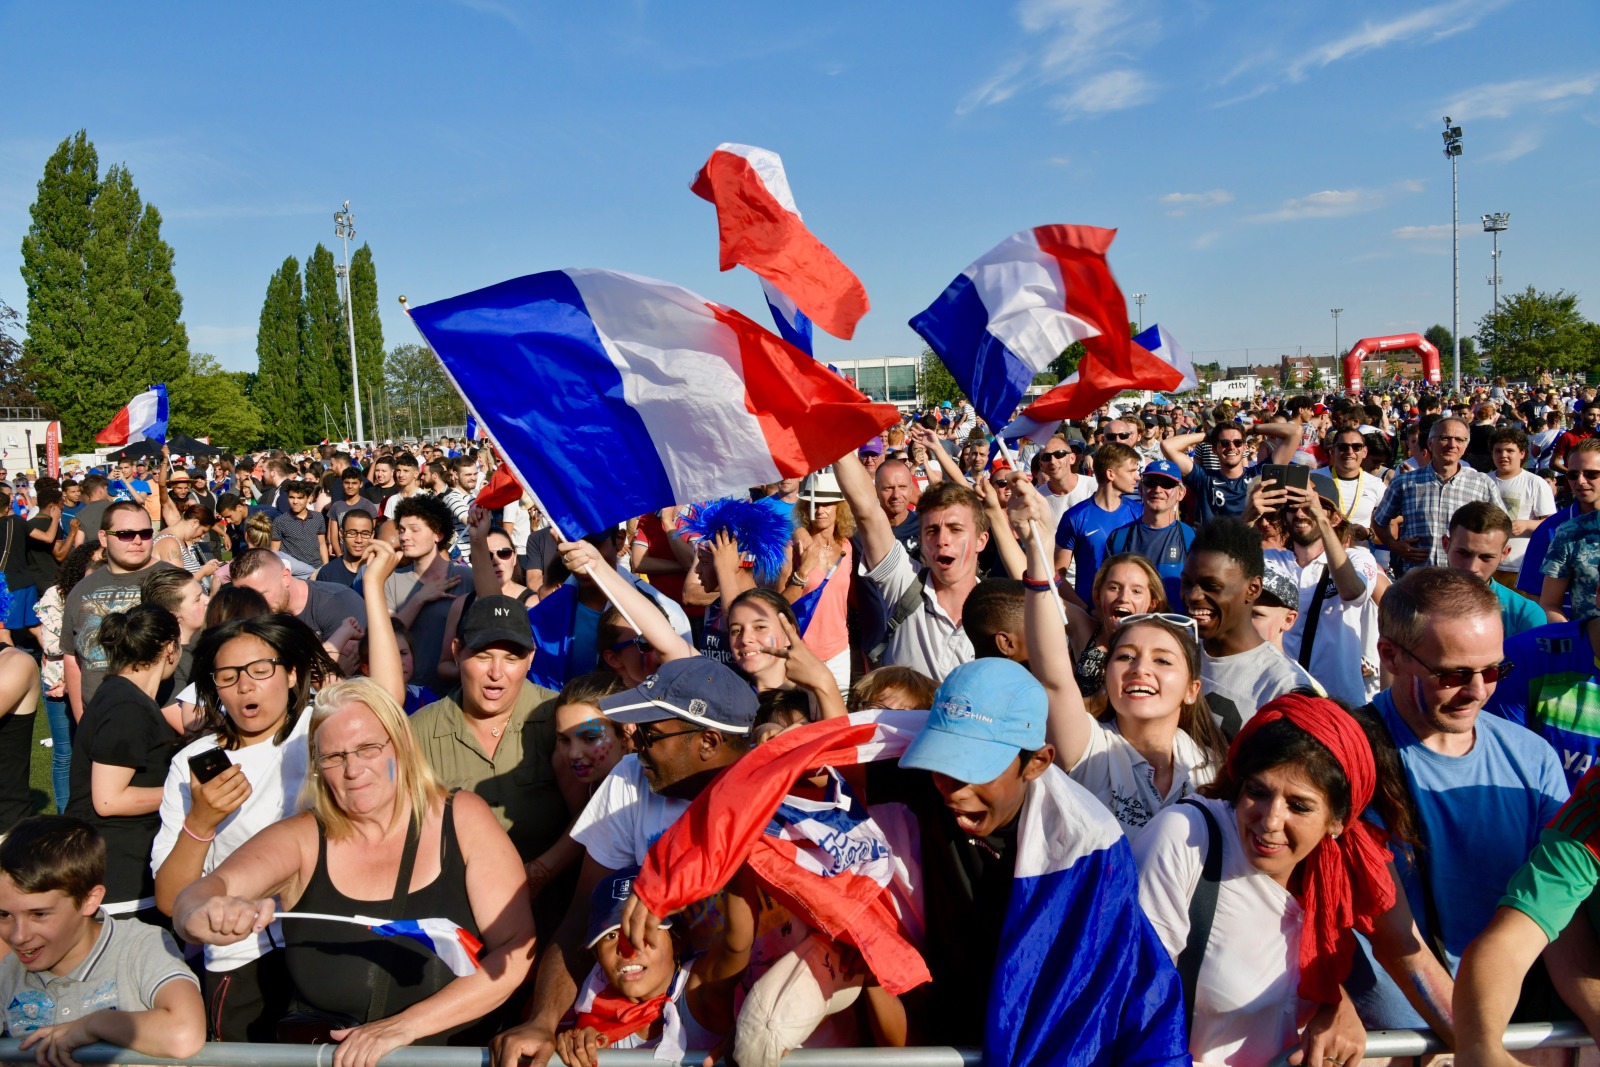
pixel 1247 1001
pixel 275 773
pixel 1527 496
pixel 1543 439
pixel 1358 496
pixel 1337 649
pixel 1237 686
pixel 1123 780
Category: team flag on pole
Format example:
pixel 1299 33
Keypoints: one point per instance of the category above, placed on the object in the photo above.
pixel 144 418
pixel 1160 344
pixel 759 226
pixel 611 395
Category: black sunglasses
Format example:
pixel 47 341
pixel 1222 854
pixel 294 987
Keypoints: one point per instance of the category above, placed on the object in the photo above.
pixel 1118 436
pixel 1457 677
pixel 504 553
pixel 1060 453
pixel 127 536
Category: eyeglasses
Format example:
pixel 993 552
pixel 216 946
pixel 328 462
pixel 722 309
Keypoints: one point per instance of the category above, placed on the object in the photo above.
pixel 1060 453
pixel 129 536
pixel 1345 446
pixel 645 736
pixel 504 553
pixel 357 535
pixel 1183 622
pixel 259 669
pixel 1584 476
pixel 332 761
pixel 641 643
pixel 1457 677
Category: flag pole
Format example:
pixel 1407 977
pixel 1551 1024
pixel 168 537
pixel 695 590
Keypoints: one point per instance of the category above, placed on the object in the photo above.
pixel 506 459
pixel 1038 534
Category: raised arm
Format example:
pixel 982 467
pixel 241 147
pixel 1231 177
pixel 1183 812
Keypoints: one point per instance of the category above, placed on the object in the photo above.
pixel 383 648
pixel 580 556
pixel 1288 435
pixel 877 536
pixel 1177 450
pixel 1000 535
pixel 930 442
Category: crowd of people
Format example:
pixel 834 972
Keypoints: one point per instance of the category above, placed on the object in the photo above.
pixel 1315 678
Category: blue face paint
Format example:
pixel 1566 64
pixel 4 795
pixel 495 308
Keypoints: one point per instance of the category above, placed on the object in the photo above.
pixel 391 768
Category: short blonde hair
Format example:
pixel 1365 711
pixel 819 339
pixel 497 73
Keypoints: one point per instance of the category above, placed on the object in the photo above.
pixel 414 779
pixel 844 520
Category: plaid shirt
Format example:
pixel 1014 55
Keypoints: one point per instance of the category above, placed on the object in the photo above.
pixel 1425 503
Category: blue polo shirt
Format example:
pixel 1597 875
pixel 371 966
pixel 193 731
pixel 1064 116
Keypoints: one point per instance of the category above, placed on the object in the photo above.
pixel 1166 548
pixel 1083 531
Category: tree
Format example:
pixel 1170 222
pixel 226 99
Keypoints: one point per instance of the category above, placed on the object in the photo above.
pixel 324 348
pixel 210 402
pixel 419 388
pixel 277 386
pixel 1066 364
pixel 16 390
pixel 1442 339
pixel 369 331
pixel 935 384
pixel 1534 331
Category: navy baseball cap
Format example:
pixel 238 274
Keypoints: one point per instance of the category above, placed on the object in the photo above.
pixel 984 714
pixel 1163 468
pixel 605 905
pixel 695 688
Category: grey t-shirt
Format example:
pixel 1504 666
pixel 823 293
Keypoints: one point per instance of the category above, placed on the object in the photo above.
pixel 328 604
pixel 427 631
pixel 90 516
pixel 129 962
pixel 1235 687
pixel 92 599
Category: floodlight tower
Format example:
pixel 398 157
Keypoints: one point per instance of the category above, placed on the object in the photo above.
pixel 1139 298
pixel 1452 149
pixel 344 228
pixel 1495 225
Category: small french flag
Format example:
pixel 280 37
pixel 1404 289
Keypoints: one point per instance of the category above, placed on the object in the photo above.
pixel 144 418
pixel 451 943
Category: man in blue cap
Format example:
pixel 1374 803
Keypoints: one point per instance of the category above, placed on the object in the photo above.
pixel 1157 535
pixel 1027 878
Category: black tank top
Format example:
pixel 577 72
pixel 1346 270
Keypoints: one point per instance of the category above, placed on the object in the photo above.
pixel 332 964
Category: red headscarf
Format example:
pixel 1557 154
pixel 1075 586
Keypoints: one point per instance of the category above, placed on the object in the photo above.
pixel 1346 880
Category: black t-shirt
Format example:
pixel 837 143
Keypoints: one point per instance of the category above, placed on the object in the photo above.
pixel 328 604
pixel 336 573
pixel 122 727
pixel 909 534
pixel 41 564
pixel 89 518
pixel 14 544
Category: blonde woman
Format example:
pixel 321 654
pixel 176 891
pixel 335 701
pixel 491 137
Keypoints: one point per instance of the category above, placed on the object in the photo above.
pixel 817 579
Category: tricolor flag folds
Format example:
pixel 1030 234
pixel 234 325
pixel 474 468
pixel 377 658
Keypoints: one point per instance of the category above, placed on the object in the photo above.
pixel 792 324
pixel 759 226
pixel 611 395
pixel 1160 344
pixel 455 945
pixel 144 418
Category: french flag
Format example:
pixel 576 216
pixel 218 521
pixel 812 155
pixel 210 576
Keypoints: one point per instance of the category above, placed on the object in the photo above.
pixel 1159 343
pixel 611 395
pixel 144 418
pixel 759 226
pixel 455 945
pixel 1081 977
pixel 793 326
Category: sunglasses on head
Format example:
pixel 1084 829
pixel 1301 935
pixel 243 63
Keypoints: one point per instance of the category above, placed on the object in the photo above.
pixel 1182 622
pixel 126 536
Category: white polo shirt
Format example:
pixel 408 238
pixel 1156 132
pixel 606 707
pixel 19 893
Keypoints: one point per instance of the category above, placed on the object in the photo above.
pixel 928 640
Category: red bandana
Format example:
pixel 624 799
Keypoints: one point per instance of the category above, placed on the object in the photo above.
pixel 615 1016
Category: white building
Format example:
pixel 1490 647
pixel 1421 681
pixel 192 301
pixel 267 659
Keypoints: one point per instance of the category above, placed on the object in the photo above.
pixel 884 378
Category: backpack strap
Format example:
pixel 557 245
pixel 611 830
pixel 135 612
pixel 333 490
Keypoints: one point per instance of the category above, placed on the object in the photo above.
pixel 1202 913
pixel 1309 634
pixel 908 604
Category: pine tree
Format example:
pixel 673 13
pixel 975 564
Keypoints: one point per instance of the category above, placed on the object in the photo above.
pixel 164 342
pixel 324 348
pixel 53 271
pixel 276 392
pixel 369 332
pixel 109 373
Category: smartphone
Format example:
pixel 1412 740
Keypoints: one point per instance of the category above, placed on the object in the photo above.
pixel 1297 476
pixel 208 764
pixel 1274 475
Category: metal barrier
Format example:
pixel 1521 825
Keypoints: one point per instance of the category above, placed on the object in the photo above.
pixel 1380 1044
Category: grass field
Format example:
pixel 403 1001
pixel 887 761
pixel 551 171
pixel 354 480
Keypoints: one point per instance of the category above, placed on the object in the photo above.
pixel 39 765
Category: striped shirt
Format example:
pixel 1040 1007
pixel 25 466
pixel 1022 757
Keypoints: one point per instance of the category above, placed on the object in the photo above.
pixel 1425 502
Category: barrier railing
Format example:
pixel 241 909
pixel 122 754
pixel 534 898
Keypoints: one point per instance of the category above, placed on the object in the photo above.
pixel 1380 1044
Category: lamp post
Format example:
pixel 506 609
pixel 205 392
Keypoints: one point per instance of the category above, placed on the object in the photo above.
pixel 1495 225
pixel 1336 312
pixel 1139 298
pixel 1452 149
pixel 344 228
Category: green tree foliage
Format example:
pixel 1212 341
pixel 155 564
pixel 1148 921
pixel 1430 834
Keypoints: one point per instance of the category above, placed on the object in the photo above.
pixel 276 393
pixel 420 393
pixel 1442 339
pixel 1535 331
pixel 369 330
pixel 16 390
pixel 1066 364
pixel 934 382
pixel 210 401
pixel 324 349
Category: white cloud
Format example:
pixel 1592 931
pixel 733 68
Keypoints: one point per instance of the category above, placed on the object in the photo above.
pixel 1179 203
pixel 1327 204
pixel 1115 90
pixel 1431 23
pixel 1520 145
pixel 1503 99
pixel 1422 233
pixel 1073 41
pixel 1206 240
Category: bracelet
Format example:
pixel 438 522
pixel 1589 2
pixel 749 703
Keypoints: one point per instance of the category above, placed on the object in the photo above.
pixel 1036 586
pixel 797 579
pixel 197 837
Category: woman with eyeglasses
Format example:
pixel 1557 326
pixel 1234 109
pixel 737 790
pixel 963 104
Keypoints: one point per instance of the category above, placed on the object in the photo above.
pixel 502 558
pixel 123 748
pixel 382 838
pixel 255 675
pixel 1158 742
pixel 1258 887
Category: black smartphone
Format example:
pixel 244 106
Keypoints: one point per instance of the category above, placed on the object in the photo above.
pixel 1297 476
pixel 208 764
pixel 1274 475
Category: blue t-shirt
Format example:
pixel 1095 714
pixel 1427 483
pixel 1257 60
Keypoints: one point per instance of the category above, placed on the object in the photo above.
pixel 1518 614
pixel 1211 494
pixel 1083 531
pixel 1555 691
pixel 1530 579
pixel 1481 815
pixel 1167 548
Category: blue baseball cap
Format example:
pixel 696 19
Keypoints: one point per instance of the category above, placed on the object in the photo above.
pixel 1163 468
pixel 605 905
pixel 696 688
pixel 984 714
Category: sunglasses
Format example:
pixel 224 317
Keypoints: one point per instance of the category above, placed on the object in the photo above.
pixel 1457 677
pixel 504 553
pixel 1344 447
pixel 646 736
pixel 1118 436
pixel 1158 482
pixel 641 643
pixel 1584 476
pixel 129 536
pixel 1060 453
pixel 1182 622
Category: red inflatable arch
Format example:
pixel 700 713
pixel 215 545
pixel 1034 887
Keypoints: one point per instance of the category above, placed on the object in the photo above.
pixel 1368 345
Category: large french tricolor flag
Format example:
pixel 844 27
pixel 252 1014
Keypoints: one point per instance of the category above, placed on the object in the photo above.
pixel 144 418
pixel 759 226
pixel 611 395
pixel 1159 343
pixel 1019 306
pixel 1081 976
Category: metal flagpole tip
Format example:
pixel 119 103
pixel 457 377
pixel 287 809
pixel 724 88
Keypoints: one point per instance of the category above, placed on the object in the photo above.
pixel 405 305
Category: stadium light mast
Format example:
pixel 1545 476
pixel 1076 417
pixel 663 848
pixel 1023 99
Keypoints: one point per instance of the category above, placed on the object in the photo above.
pixel 1452 149
pixel 1139 298
pixel 344 228
pixel 1495 225
pixel 1336 312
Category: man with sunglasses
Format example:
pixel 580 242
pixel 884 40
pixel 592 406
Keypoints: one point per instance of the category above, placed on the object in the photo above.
pixel 1583 482
pixel 1157 535
pixel 127 538
pixel 1225 491
pixel 1358 491
pixel 1482 788
pixel 1063 485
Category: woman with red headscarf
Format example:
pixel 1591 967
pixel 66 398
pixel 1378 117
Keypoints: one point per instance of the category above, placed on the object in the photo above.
pixel 1258 887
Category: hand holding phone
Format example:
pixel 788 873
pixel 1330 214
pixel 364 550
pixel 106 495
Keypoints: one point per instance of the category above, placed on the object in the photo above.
pixel 208 764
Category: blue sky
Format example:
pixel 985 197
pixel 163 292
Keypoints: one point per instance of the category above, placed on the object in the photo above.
pixel 1263 162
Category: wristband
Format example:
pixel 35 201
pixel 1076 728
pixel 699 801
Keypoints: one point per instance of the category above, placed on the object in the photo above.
pixel 1033 586
pixel 197 837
